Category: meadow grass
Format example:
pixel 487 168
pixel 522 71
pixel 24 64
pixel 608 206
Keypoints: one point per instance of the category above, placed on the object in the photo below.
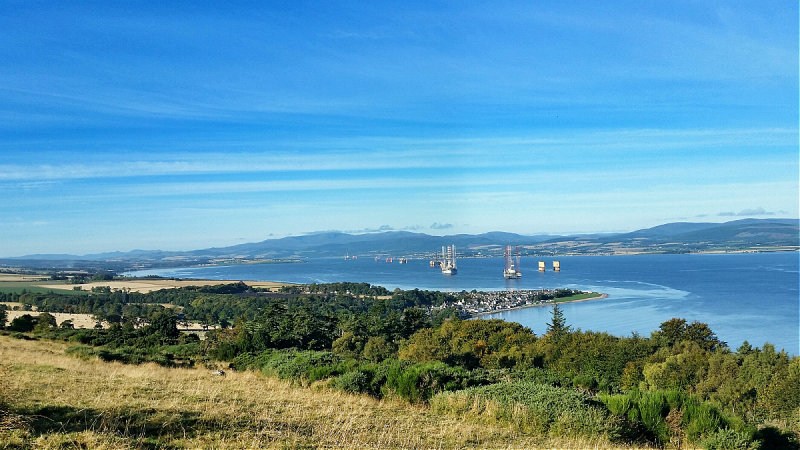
pixel 22 287
pixel 51 400
pixel 577 297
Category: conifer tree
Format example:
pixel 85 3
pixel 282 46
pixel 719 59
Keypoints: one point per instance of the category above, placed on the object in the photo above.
pixel 558 325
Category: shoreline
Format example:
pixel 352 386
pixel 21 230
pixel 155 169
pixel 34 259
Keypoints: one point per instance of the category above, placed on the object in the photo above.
pixel 497 311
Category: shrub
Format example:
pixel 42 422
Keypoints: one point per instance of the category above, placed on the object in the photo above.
pixel 305 366
pixel 584 382
pixel 244 361
pixel 419 382
pixel 533 407
pixel 726 438
pixel 619 405
pixel 355 381
pixel 544 376
pixel 653 408
pixel 81 351
pixel 380 373
pixel 697 419
pixel 378 349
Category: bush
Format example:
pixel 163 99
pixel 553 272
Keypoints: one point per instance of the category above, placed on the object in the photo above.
pixel 653 408
pixel 698 420
pixel 225 351
pixel 81 351
pixel 186 351
pixel 727 438
pixel 619 405
pixel 305 366
pixel 544 376
pixel 244 361
pixel 380 373
pixel 419 382
pixel 323 372
pixel 584 382
pixel 535 408
pixel 353 382
pixel 378 349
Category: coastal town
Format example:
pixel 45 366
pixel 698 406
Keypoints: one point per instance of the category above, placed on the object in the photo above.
pixel 477 303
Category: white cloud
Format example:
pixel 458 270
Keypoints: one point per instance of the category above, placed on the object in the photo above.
pixel 379 153
pixel 441 226
pixel 755 212
pixel 748 212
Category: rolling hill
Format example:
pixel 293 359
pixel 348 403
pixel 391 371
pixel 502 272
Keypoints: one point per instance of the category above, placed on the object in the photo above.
pixel 679 237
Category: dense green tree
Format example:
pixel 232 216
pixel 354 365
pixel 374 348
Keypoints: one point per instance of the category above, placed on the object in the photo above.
pixel 414 319
pixel 165 326
pixel 781 397
pixel 378 349
pixel 682 370
pixel 471 343
pixel 23 323
pixel 596 359
pixel 676 330
pixel 113 318
pixel 348 345
pixel 745 348
pixel 557 327
pixel 670 332
pixel 47 319
pixel 701 334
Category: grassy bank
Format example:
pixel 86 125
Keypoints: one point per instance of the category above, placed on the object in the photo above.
pixel 580 297
pixel 51 400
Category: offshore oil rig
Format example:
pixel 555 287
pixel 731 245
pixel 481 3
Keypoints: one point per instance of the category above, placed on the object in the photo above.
pixel 512 270
pixel 556 266
pixel 447 262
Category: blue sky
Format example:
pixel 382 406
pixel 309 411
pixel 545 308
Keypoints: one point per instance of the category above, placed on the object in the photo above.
pixel 151 125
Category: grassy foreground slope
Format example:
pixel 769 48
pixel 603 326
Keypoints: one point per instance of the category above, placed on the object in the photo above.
pixel 51 400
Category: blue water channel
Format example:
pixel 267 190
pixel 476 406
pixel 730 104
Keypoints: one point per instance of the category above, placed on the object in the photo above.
pixel 751 297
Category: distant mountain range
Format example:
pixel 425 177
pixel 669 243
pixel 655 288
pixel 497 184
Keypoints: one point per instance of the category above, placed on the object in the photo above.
pixel 680 237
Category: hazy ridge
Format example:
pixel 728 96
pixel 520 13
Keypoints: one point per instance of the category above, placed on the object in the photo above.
pixel 678 237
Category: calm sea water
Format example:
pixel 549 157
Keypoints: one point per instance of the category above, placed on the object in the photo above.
pixel 751 297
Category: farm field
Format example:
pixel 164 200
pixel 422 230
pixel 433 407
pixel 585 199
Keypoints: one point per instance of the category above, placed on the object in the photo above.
pixel 15 277
pixel 17 283
pixel 144 285
pixel 78 320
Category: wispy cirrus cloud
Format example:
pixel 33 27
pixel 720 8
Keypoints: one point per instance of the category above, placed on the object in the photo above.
pixel 382 153
pixel 441 226
pixel 747 212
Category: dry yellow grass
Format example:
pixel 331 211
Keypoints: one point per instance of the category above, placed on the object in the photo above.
pixel 11 305
pixel 55 400
pixel 16 277
pixel 87 320
pixel 146 285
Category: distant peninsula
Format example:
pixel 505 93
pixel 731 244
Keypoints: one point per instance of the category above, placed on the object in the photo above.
pixel 479 304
